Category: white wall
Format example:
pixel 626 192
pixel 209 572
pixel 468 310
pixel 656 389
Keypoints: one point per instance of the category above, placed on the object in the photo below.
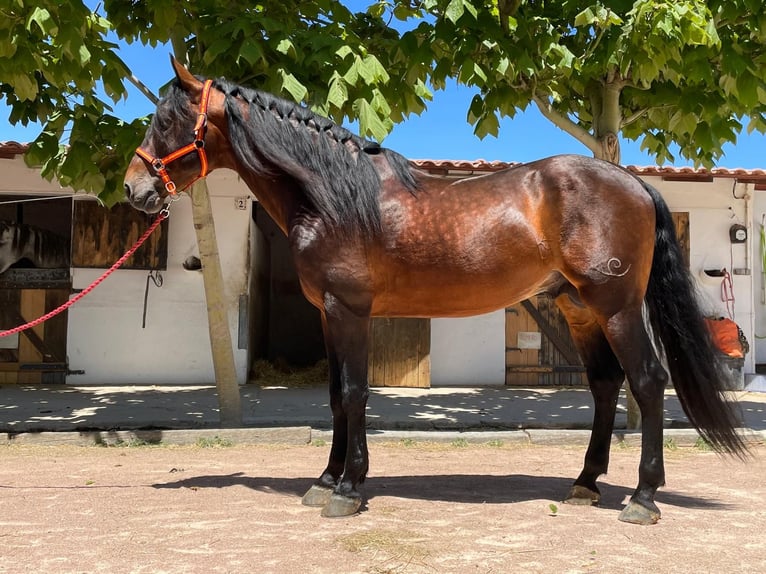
pixel 713 208
pixel 758 342
pixel 105 336
pixel 468 351
pixel 107 342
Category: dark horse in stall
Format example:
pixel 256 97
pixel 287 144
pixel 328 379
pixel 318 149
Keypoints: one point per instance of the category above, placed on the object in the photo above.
pixel 374 237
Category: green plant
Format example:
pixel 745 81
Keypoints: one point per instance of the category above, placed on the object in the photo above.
pixel 213 442
pixel 670 443
pixel 702 444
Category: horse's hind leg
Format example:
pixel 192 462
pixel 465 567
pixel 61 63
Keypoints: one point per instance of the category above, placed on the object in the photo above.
pixel 628 338
pixel 605 377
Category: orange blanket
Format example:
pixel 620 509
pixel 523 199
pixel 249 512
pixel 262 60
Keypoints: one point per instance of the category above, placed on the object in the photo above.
pixel 726 336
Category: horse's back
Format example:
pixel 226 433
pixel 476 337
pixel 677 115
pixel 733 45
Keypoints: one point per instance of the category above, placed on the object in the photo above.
pixel 478 244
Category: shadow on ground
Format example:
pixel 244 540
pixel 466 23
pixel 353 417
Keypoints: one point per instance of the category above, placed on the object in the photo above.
pixel 67 408
pixel 460 488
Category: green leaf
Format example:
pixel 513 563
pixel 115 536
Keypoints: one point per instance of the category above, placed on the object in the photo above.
pixel 585 18
pixel 351 77
pixel 344 51
pixel 369 122
pixel 292 86
pixel 42 18
pixel 24 86
pixel 747 86
pixel 7 48
pixel 455 10
pixel 222 45
pixel 338 93
pixel 475 110
pixel 84 55
pixel 285 46
pixel 251 52
pixel 479 72
pixel 372 71
pixel 471 9
pixel 487 125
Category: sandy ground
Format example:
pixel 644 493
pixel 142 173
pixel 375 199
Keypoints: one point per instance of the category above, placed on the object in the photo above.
pixel 431 508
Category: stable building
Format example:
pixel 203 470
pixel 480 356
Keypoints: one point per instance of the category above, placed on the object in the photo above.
pixel 147 322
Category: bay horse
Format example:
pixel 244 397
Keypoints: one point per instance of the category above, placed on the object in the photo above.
pixel 374 237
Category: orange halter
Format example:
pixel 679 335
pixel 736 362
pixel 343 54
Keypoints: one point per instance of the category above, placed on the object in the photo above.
pixel 198 145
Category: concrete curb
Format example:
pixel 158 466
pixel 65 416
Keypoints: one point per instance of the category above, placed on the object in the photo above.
pixel 300 435
pixel 202 437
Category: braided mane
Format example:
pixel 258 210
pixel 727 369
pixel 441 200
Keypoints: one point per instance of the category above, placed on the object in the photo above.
pixel 332 166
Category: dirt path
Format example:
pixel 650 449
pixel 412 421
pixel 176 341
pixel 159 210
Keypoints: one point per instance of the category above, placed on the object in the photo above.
pixel 431 508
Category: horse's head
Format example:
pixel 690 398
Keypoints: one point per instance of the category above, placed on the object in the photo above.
pixel 179 146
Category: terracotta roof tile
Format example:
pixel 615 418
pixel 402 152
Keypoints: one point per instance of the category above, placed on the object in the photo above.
pixel 11 148
pixel 755 175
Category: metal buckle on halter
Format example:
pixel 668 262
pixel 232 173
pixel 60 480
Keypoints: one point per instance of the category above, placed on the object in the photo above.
pixel 199 144
pixel 170 186
pixel 158 165
pixel 165 211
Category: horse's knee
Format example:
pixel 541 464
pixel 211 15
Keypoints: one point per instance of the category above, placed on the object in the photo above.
pixel 354 399
pixel 651 385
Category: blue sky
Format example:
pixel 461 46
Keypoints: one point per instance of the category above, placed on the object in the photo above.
pixel 441 132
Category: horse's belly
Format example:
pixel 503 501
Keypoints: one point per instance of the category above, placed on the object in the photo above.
pixel 457 295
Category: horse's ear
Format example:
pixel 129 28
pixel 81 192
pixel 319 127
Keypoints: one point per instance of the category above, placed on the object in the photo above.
pixel 185 78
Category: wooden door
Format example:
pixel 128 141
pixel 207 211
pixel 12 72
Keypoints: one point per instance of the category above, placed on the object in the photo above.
pixel 539 349
pixel 100 236
pixel 400 353
pixel 37 355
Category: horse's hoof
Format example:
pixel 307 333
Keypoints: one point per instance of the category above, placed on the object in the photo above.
pixel 582 496
pixel 340 505
pixel 317 496
pixel 636 513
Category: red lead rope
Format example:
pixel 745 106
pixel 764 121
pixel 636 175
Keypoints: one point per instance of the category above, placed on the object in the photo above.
pixel 162 216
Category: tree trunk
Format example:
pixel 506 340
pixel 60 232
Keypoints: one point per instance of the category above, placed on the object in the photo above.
pixel 229 401
pixel 230 410
pixel 607 120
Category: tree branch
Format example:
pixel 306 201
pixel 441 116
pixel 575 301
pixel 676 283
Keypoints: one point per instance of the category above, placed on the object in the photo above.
pixel 633 117
pixel 143 89
pixel 564 123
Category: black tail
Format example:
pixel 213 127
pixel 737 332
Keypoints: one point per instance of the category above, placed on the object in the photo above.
pixel 679 328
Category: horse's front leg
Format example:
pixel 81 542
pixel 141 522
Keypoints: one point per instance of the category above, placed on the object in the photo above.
pixel 320 492
pixel 346 337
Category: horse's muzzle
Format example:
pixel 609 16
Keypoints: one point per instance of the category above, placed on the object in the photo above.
pixel 147 200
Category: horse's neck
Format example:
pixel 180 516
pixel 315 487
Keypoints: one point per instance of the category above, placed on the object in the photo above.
pixel 6 257
pixel 47 250
pixel 277 196
pixel 44 249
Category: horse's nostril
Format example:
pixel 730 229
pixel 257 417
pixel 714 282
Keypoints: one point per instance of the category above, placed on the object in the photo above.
pixel 127 191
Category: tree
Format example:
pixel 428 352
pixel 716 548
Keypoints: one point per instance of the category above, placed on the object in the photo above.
pixel 674 73
pixel 682 76
pixel 56 58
